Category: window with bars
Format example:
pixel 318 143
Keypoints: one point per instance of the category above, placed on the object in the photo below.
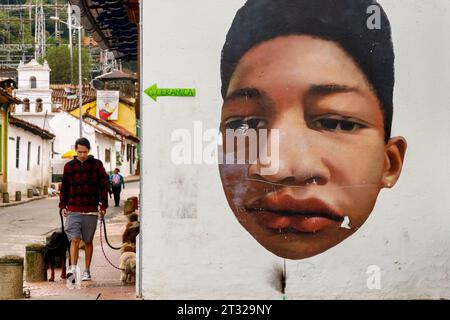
pixel 26 105
pixel 28 156
pixel 39 105
pixel 107 155
pixel 33 82
pixel 17 152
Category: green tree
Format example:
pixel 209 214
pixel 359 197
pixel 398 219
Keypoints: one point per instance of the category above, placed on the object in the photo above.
pixel 58 59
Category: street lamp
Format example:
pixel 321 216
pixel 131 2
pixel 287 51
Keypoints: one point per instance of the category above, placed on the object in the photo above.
pixel 80 84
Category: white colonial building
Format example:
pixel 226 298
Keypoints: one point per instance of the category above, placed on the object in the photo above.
pixel 34 90
pixel 29 152
pixel 30 137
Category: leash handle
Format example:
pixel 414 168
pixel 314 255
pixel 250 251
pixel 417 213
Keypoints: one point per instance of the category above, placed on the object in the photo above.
pixel 62 220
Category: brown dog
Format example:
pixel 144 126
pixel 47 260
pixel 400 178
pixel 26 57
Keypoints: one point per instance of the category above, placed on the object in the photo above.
pixel 128 267
pixel 131 229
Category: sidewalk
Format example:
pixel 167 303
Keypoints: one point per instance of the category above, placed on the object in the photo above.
pixel 105 284
pixel 24 200
pixel 132 178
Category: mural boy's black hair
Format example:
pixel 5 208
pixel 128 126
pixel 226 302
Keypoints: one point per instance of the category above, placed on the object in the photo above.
pixel 341 21
pixel 83 142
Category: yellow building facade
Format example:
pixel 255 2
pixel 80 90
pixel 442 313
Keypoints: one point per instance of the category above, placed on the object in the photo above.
pixel 126 116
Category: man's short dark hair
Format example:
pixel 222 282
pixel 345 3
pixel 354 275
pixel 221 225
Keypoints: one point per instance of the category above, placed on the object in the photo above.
pixel 83 142
pixel 341 21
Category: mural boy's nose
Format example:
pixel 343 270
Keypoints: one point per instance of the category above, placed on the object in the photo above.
pixel 300 162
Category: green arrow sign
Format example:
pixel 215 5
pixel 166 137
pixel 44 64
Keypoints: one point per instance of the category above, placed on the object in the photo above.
pixel 154 92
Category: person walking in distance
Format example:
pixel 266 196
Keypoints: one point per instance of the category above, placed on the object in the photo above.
pixel 117 182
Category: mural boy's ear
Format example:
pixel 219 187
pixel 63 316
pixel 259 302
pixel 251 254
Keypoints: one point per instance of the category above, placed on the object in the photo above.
pixel 395 151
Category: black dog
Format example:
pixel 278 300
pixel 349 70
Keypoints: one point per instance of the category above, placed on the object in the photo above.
pixel 56 247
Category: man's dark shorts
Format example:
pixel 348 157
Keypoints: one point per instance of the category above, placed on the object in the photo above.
pixel 81 226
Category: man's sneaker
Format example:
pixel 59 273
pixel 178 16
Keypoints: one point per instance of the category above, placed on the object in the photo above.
pixel 72 272
pixel 86 276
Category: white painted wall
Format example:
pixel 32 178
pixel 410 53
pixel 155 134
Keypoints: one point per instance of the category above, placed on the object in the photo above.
pixel 66 129
pixel 192 245
pixel 34 69
pixel 33 95
pixel 104 143
pixel 128 166
pixel 20 179
pixel 42 91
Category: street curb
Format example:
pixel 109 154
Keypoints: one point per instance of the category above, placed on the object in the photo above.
pixel 11 204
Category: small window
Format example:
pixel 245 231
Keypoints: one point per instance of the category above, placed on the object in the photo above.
pixel 17 152
pixel 33 82
pixel 107 155
pixel 128 152
pixel 39 155
pixel 28 156
pixel 26 105
pixel 38 105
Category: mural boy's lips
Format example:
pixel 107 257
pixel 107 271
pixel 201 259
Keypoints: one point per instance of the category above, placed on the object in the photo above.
pixel 286 212
pixel 299 222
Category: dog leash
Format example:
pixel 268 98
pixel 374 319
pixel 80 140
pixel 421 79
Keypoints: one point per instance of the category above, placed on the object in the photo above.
pixel 103 226
pixel 106 235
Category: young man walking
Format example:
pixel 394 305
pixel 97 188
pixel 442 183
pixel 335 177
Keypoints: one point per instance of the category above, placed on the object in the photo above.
pixel 83 196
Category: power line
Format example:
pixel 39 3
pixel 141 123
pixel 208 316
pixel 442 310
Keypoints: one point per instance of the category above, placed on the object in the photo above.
pixel 18 7
pixel 39 32
pixel 27 17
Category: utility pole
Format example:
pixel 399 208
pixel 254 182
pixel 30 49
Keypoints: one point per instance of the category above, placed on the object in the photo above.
pixel 29 15
pixel 80 80
pixel 57 34
pixel 79 28
pixel 69 26
pixel 39 36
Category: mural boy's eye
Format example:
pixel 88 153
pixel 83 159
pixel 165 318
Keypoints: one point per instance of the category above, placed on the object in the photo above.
pixel 333 124
pixel 241 123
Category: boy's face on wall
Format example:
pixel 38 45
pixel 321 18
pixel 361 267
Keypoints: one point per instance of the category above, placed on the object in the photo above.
pixel 333 159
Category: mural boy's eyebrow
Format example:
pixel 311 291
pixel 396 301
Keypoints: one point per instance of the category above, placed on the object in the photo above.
pixel 327 89
pixel 243 93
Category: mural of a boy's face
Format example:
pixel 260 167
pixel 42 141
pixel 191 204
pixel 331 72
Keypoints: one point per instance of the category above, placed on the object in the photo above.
pixel 333 159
